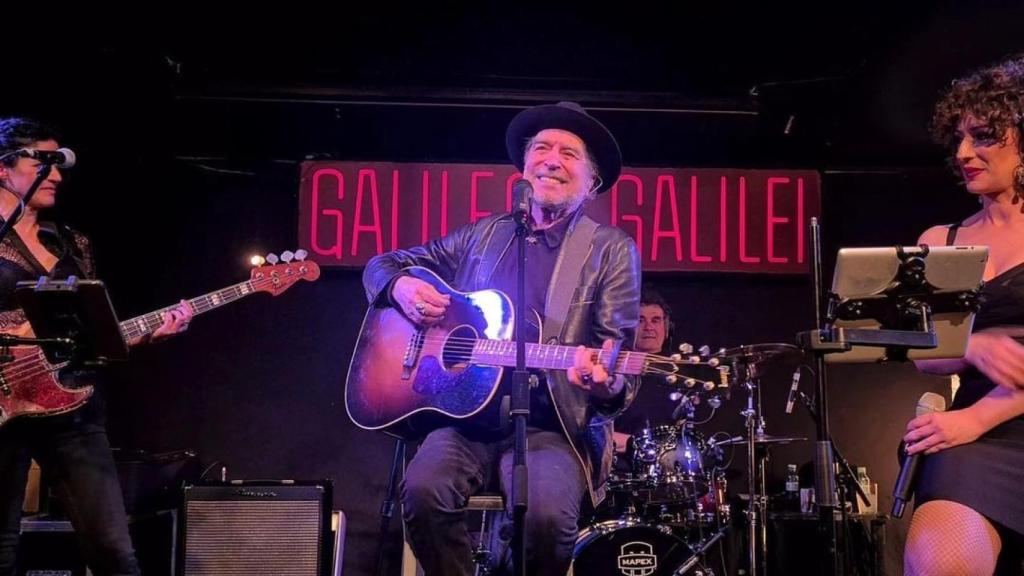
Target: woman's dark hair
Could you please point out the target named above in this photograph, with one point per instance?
(21, 133)
(994, 96)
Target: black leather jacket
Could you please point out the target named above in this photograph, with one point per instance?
(605, 304)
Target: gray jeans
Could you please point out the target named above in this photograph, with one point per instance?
(449, 468)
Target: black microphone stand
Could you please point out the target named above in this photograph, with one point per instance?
(387, 506)
(520, 411)
(846, 475)
(824, 456)
(846, 479)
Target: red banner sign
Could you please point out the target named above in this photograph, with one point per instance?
(682, 219)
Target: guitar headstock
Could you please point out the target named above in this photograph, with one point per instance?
(706, 372)
(695, 376)
(282, 272)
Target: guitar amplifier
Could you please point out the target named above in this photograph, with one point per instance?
(279, 528)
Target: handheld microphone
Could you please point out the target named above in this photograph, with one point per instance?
(793, 389)
(61, 158)
(904, 489)
(522, 195)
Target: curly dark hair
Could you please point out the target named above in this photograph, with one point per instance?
(21, 133)
(994, 96)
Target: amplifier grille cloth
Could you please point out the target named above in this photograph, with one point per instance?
(228, 538)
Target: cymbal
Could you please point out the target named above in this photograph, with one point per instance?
(757, 354)
(766, 439)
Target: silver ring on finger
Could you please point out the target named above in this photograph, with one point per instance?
(420, 307)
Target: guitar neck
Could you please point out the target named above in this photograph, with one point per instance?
(551, 356)
(147, 323)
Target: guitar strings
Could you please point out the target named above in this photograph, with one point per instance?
(36, 364)
(467, 349)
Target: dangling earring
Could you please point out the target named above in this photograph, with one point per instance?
(1018, 186)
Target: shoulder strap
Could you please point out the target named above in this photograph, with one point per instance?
(951, 233)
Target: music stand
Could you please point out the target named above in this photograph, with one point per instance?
(903, 303)
(74, 320)
(885, 304)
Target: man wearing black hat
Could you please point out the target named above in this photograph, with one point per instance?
(583, 288)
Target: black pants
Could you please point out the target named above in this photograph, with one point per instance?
(74, 452)
(449, 468)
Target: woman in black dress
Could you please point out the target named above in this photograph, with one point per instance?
(969, 517)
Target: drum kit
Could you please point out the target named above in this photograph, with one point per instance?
(667, 507)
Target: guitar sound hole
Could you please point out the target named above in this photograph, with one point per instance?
(458, 348)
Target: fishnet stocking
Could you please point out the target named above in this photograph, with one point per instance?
(950, 539)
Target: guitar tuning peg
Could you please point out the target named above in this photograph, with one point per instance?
(677, 357)
(704, 350)
(272, 258)
(709, 385)
(257, 260)
(301, 254)
(675, 396)
(689, 382)
(693, 359)
(671, 379)
(715, 402)
(686, 348)
(714, 362)
(287, 255)
(721, 351)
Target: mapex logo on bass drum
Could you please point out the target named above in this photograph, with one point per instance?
(637, 559)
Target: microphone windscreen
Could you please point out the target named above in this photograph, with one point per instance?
(930, 402)
(69, 158)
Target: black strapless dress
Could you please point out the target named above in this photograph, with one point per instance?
(987, 474)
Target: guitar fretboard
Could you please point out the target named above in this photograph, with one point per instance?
(147, 323)
(551, 356)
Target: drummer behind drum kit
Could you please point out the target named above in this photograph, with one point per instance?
(670, 508)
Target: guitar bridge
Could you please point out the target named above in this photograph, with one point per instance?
(412, 353)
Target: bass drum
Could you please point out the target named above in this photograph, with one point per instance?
(628, 547)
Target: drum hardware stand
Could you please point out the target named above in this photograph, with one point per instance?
(483, 558)
(757, 509)
(699, 552)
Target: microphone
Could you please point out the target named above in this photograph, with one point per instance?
(793, 389)
(522, 195)
(61, 158)
(904, 489)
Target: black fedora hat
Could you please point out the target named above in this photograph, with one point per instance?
(571, 117)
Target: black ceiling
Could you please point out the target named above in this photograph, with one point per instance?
(858, 80)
